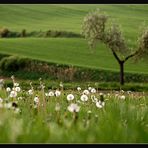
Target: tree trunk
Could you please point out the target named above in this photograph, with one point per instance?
(121, 72)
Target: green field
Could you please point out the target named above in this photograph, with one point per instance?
(68, 17)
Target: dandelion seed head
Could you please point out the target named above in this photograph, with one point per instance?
(73, 108)
(70, 97)
(84, 98)
(8, 89)
(79, 88)
(51, 94)
(13, 94)
(86, 92)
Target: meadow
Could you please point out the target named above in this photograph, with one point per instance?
(42, 105)
(41, 115)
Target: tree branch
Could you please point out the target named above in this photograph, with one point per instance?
(115, 55)
(131, 55)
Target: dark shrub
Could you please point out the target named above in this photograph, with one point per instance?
(4, 32)
(13, 63)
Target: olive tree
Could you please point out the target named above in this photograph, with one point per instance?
(96, 29)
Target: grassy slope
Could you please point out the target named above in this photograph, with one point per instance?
(70, 51)
(68, 17)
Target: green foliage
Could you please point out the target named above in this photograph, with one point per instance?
(12, 63)
(4, 32)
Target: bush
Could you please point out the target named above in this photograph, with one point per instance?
(4, 32)
(13, 63)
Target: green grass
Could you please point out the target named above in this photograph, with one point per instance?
(119, 121)
(69, 18)
(73, 51)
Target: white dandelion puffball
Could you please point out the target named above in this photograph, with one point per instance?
(86, 92)
(18, 89)
(89, 88)
(8, 89)
(93, 90)
(57, 93)
(100, 104)
(13, 94)
(70, 97)
(36, 99)
(84, 98)
(101, 94)
(78, 88)
(122, 97)
(30, 92)
(73, 108)
(51, 94)
(16, 84)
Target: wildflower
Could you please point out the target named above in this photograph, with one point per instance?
(30, 92)
(13, 94)
(73, 108)
(57, 107)
(70, 97)
(36, 99)
(16, 84)
(89, 88)
(86, 92)
(51, 94)
(93, 90)
(101, 94)
(8, 89)
(57, 93)
(122, 97)
(100, 104)
(84, 98)
(78, 88)
(18, 89)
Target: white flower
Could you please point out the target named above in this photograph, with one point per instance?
(89, 88)
(84, 98)
(18, 89)
(30, 92)
(13, 94)
(36, 99)
(100, 104)
(73, 108)
(93, 90)
(57, 107)
(57, 93)
(1, 100)
(86, 92)
(16, 84)
(78, 88)
(101, 94)
(122, 97)
(8, 89)
(70, 97)
(51, 94)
